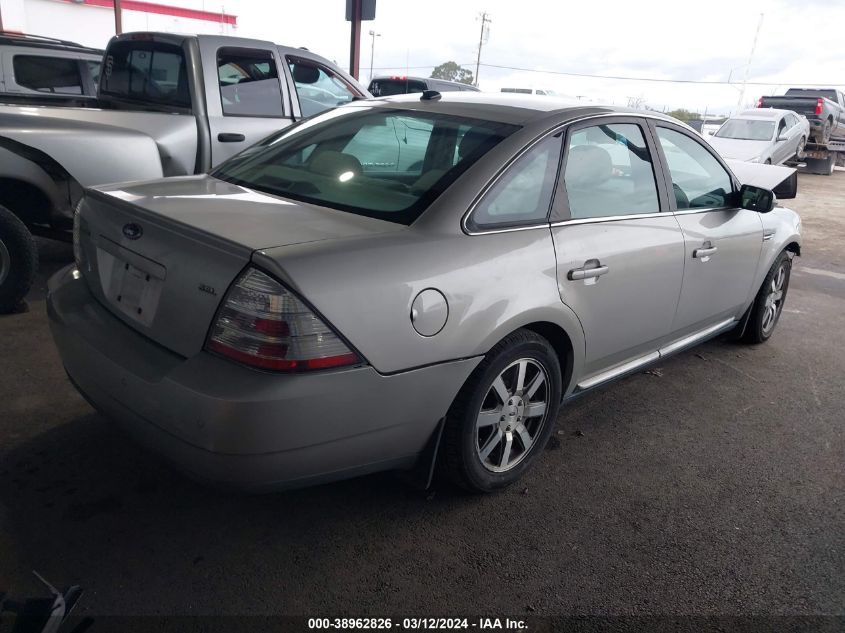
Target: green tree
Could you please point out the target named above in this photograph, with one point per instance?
(450, 71)
(684, 115)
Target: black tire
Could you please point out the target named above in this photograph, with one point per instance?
(460, 457)
(18, 261)
(801, 152)
(759, 329)
(823, 136)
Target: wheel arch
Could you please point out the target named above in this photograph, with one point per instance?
(26, 200)
(562, 344)
(794, 247)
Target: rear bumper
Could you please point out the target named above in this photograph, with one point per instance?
(240, 427)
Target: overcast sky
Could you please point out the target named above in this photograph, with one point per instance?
(800, 42)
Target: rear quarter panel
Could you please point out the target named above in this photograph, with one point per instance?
(494, 284)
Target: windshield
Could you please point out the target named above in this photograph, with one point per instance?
(747, 130)
(383, 163)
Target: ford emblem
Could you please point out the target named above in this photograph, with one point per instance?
(133, 231)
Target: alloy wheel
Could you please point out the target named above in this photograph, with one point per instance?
(774, 300)
(512, 415)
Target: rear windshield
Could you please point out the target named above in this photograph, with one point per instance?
(382, 163)
(151, 72)
(800, 92)
(747, 130)
(388, 87)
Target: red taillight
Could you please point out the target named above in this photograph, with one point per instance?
(760, 102)
(819, 106)
(264, 325)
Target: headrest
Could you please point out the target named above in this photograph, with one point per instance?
(303, 74)
(587, 166)
(474, 139)
(333, 164)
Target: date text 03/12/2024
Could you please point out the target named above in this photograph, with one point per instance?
(411, 624)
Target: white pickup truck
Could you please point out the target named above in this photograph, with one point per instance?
(166, 105)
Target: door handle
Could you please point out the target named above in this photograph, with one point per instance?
(592, 269)
(230, 137)
(704, 253)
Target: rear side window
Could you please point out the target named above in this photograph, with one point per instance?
(389, 87)
(523, 194)
(699, 181)
(94, 69)
(55, 75)
(609, 172)
(151, 72)
(249, 83)
(318, 88)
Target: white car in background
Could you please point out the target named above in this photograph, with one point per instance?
(762, 135)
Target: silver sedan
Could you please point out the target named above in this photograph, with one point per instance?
(763, 135)
(410, 283)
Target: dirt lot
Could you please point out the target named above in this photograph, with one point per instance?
(713, 485)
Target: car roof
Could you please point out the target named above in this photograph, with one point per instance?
(765, 114)
(514, 108)
(39, 41)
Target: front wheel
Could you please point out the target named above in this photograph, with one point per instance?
(503, 415)
(801, 152)
(769, 302)
(18, 261)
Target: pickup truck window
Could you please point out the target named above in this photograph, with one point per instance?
(317, 87)
(808, 92)
(322, 161)
(56, 75)
(150, 72)
(249, 83)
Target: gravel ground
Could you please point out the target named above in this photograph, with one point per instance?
(711, 485)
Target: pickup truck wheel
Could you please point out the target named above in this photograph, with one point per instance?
(768, 304)
(18, 261)
(823, 136)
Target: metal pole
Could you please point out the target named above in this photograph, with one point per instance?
(748, 65)
(355, 44)
(118, 18)
(484, 21)
(374, 35)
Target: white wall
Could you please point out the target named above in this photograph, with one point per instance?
(93, 26)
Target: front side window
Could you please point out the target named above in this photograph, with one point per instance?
(698, 179)
(55, 75)
(151, 72)
(523, 194)
(318, 88)
(383, 163)
(249, 83)
(609, 172)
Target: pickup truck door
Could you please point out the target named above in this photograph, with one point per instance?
(722, 241)
(246, 94)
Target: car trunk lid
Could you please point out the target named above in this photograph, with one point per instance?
(161, 255)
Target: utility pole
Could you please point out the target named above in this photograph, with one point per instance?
(485, 20)
(355, 39)
(118, 18)
(373, 35)
(748, 65)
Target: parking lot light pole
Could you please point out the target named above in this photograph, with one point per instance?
(373, 35)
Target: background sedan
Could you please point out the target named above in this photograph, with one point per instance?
(762, 135)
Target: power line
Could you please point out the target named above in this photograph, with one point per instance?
(622, 78)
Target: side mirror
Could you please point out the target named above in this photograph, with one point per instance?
(756, 198)
(783, 137)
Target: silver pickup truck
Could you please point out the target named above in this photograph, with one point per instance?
(166, 105)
